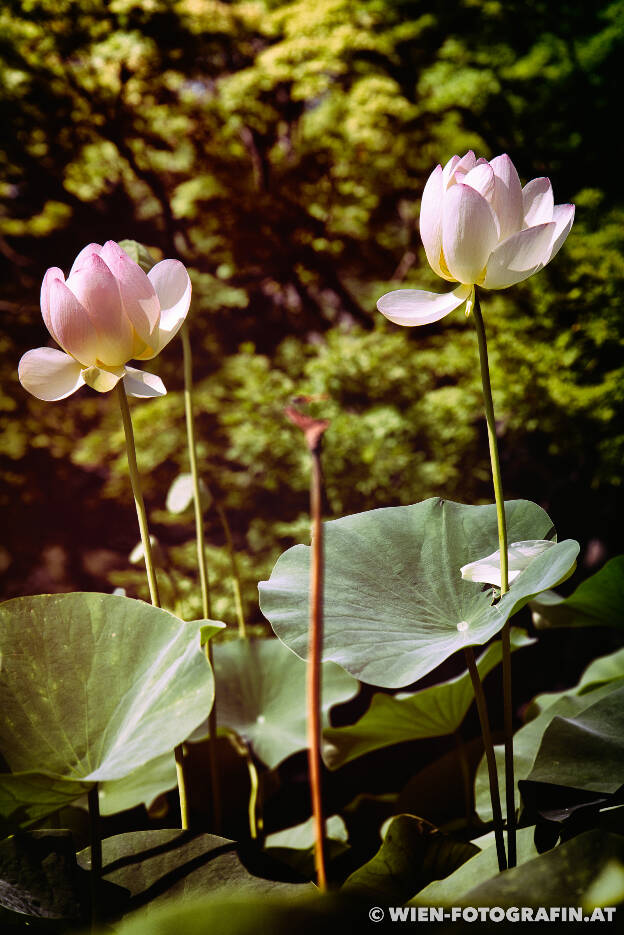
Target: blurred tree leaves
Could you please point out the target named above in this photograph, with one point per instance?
(279, 149)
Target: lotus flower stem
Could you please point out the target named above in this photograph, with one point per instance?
(314, 664)
(192, 454)
(138, 496)
(95, 840)
(204, 579)
(488, 405)
(149, 565)
(497, 814)
(236, 581)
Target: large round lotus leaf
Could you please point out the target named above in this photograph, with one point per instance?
(261, 694)
(395, 604)
(94, 685)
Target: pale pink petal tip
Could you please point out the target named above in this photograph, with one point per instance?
(51, 274)
(173, 288)
(563, 217)
(139, 300)
(538, 202)
(90, 250)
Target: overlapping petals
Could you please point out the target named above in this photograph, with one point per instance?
(107, 312)
(480, 227)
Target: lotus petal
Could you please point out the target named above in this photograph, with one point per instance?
(173, 288)
(518, 257)
(97, 290)
(416, 307)
(49, 374)
(102, 379)
(469, 233)
(53, 273)
(138, 297)
(455, 171)
(519, 556)
(481, 178)
(538, 202)
(563, 217)
(507, 198)
(431, 221)
(90, 250)
(70, 323)
(143, 385)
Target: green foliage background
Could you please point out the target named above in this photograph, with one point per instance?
(279, 149)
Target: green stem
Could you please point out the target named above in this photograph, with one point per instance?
(497, 814)
(488, 405)
(202, 564)
(95, 840)
(192, 454)
(213, 765)
(137, 494)
(314, 667)
(149, 560)
(236, 581)
(182, 786)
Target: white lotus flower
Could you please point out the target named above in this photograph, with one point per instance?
(480, 227)
(107, 312)
(519, 556)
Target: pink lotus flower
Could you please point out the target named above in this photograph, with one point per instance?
(480, 227)
(107, 312)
